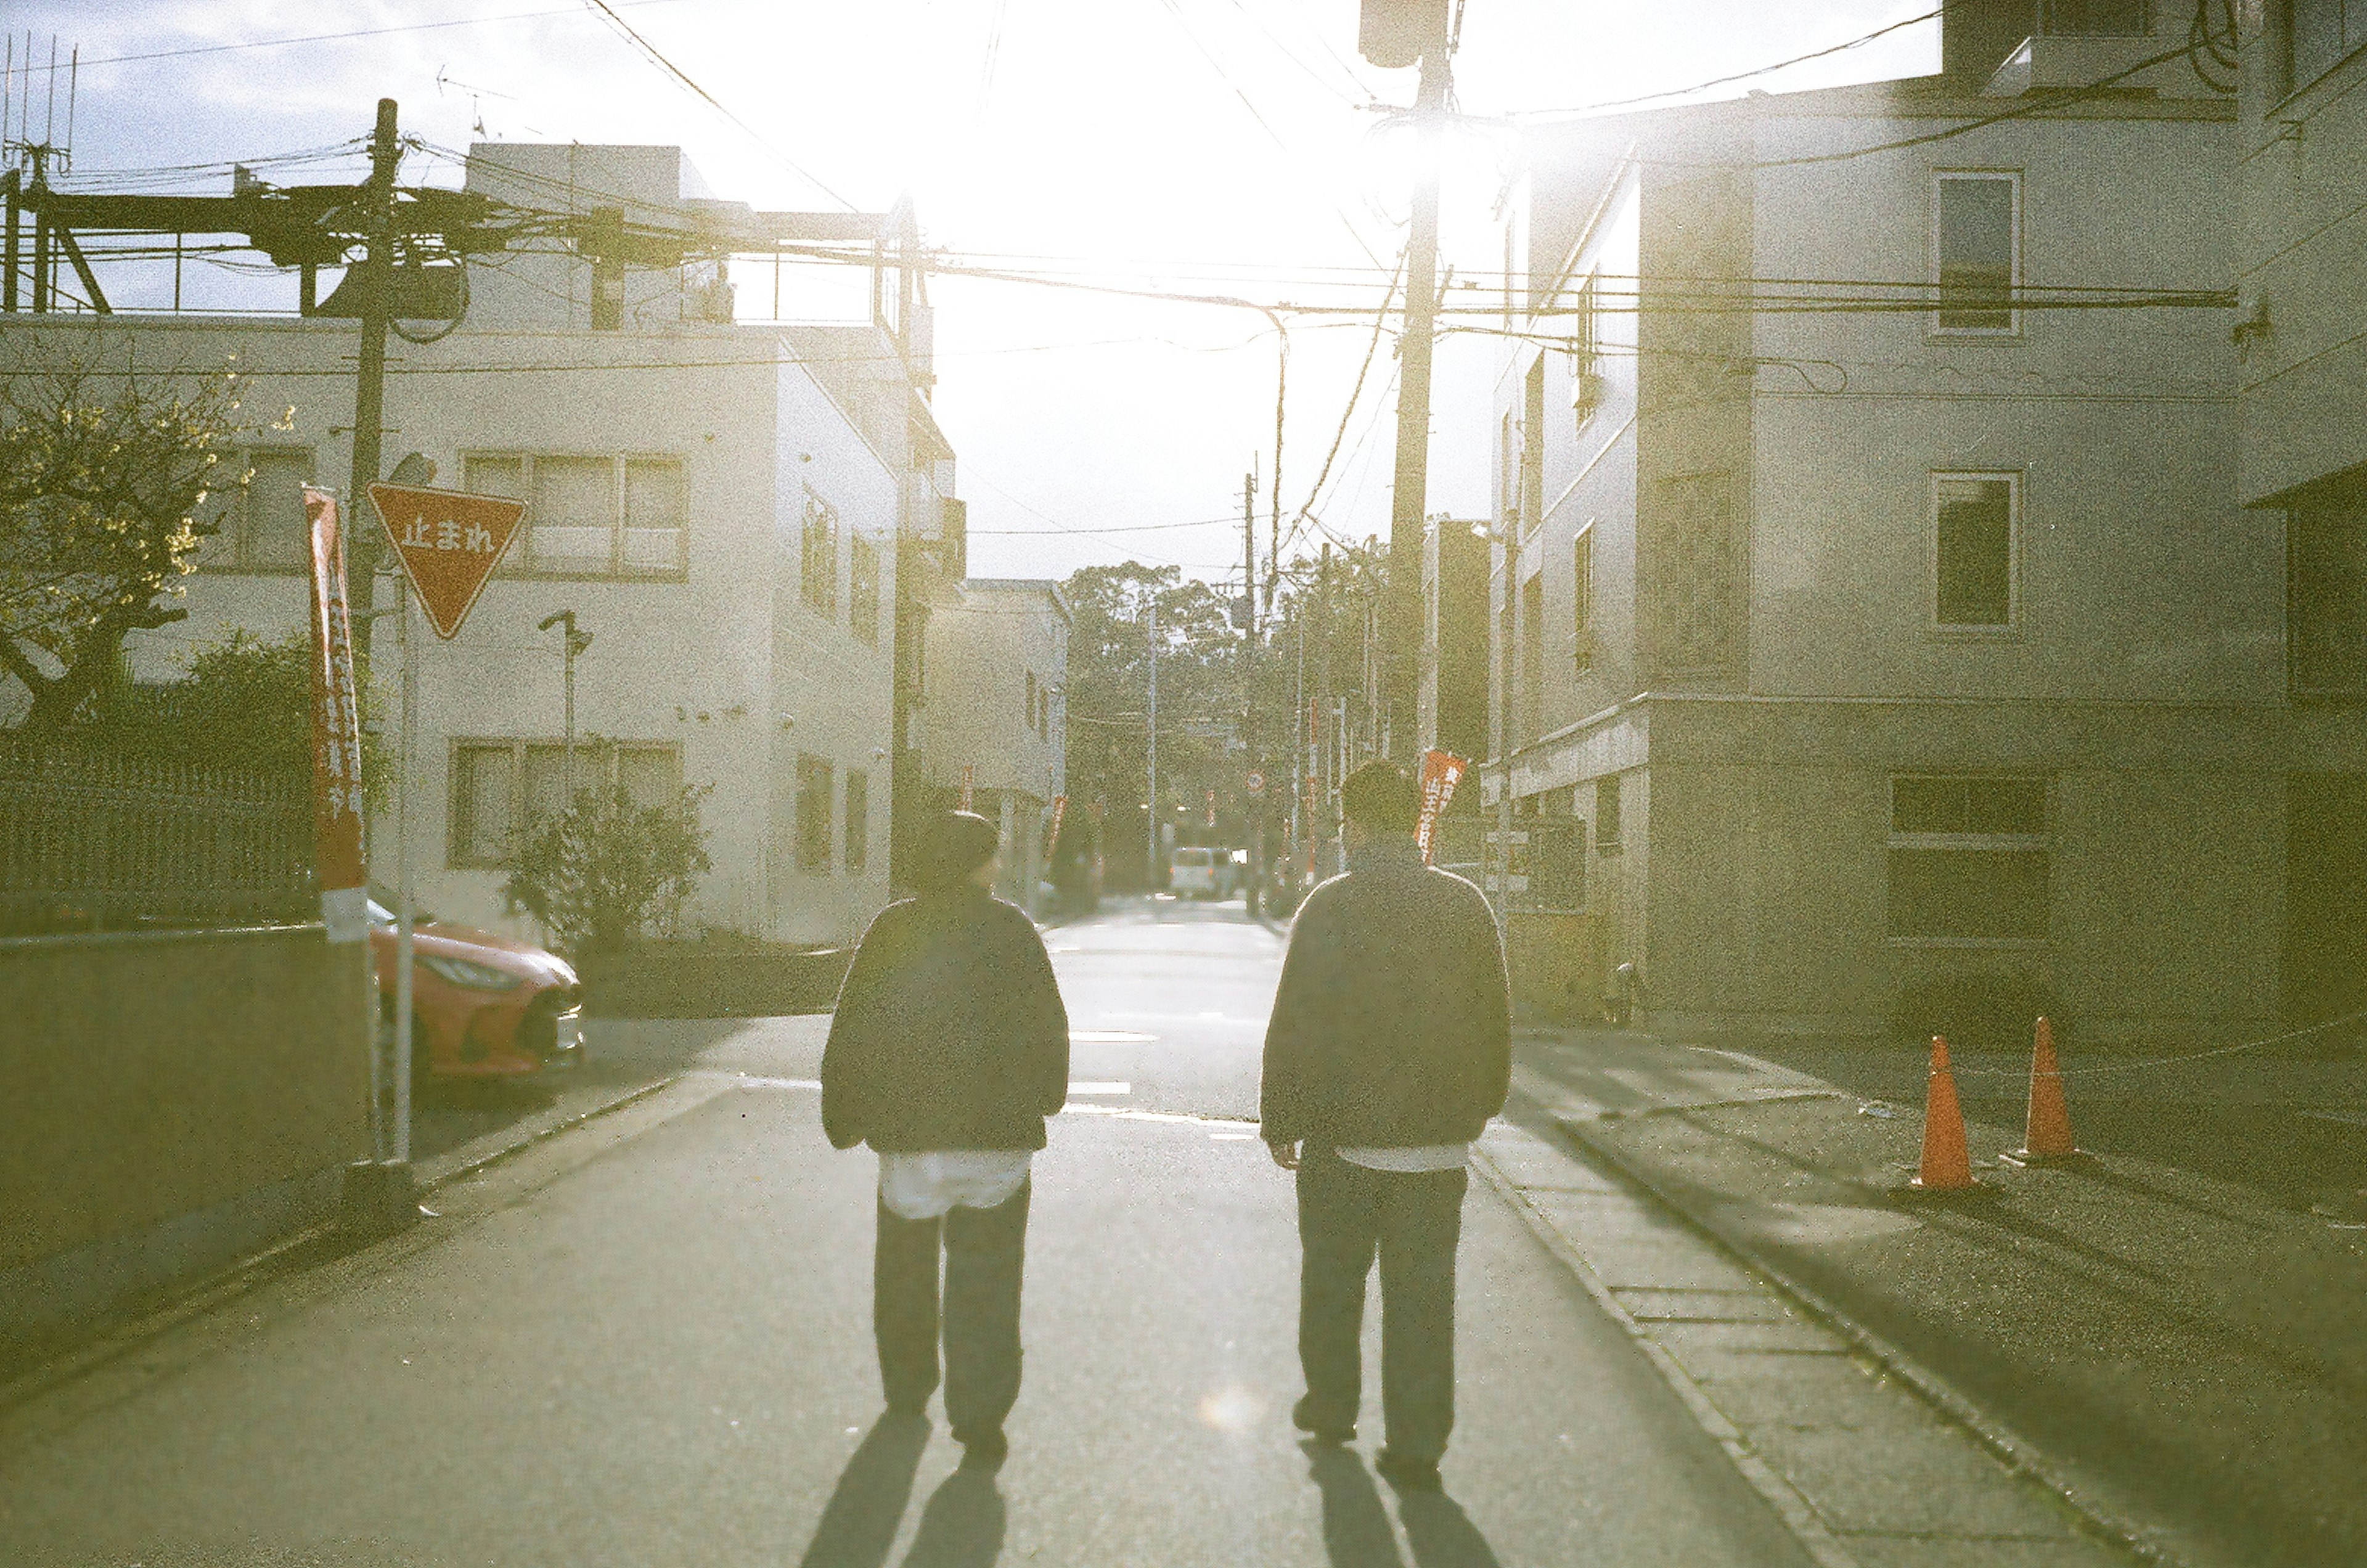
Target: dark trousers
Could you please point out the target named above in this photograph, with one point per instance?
(984, 1251)
(1413, 1220)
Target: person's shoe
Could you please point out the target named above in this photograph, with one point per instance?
(1409, 1474)
(983, 1450)
(1332, 1436)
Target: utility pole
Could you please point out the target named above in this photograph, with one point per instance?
(1250, 731)
(1151, 811)
(377, 269)
(1402, 639)
(1324, 770)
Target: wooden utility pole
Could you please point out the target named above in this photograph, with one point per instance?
(1402, 623)
(369, 384)
(1255, 811)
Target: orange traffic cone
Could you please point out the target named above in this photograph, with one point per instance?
(2047, 1134)
(1947, 1164)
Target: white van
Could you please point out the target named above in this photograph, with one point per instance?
(1194, 871)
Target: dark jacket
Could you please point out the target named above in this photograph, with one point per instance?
(1393, 1024)
(949, 1032)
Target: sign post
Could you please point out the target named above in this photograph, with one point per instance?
(448, 543)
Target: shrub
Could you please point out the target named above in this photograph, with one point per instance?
(608, 870)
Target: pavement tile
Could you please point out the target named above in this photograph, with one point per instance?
(1671, 1266)
(1798, 1391)
(1790, 1338)
(1941, 1551)
(1655, 1303)
(1909, 1478)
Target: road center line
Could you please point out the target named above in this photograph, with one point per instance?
(1099, 1085)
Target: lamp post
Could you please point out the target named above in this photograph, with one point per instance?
(576, 642)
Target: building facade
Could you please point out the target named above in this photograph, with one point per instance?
(994, 705)
(1893, 646)
(725, 506)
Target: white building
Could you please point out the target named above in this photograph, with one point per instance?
(1881, 658)
(994, 699)
(722, 504)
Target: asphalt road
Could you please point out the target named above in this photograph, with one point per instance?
(646, 1341)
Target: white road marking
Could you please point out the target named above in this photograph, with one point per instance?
(750, 1080)
(1101, 1085)
(1230, 1137)
(1108, 1037)
(1125, 1114)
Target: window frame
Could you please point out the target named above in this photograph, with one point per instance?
(2043, 843)
(2292, 84)
(1976, 631)
(517, 560)
(235, 517)
(861, 588)
(612, 754)
(825, 862)
(1582, 615)
(819, 589)
(1934, 327)
(1610, 813)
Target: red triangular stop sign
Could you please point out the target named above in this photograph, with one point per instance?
(448, 541)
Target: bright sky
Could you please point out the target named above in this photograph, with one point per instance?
(1209, 146)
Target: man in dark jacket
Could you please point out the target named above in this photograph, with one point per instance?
(1388, 1049)
(949, 1048)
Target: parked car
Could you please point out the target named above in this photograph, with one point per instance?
(484, 1007)
(1197, 872)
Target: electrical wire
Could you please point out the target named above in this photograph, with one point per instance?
(355, 33)
(1532, 116)
(1314, 491)
(650, 51)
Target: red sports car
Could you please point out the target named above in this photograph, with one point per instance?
(484, 1007)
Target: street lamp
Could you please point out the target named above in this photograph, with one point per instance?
(576, 642)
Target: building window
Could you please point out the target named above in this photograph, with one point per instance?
(1533, 447)
(503, 790)
(2326, 599)
(1968, 858)
(2096, 18)
(1978, 239)
(813, 814)
(1585, 373)
(1533, 657)
(262, 516)
(2318, 34)
(863, 589)
(1973, 550)
(588, 516)
(1581, 581)
(1031, 699)
(1508, 471)
(858, 821)
(1606, 814)
(817, 567)
(1698, 556)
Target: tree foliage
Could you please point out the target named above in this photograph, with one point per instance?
(1108, 697)
(608, 870)
(103, 481)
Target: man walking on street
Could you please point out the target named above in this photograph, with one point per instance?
(1388, 1049)
(948, 1048)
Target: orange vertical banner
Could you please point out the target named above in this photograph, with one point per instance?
(338, 870)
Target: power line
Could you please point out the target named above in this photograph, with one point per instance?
(1857, 43)
(1314, 491)
(355, 33)
(651, 52)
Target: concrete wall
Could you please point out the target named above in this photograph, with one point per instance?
(172, 1100)
(2300, 269)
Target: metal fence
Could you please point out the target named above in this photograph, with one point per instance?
(94, 842)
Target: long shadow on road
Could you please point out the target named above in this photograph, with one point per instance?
(859, 1524)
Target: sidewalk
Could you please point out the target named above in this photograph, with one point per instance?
(2176, 1346)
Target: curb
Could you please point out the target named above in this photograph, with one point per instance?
(2015, 1451)
(231, 1280)
(1797, 1514)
